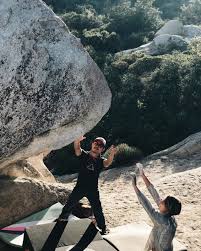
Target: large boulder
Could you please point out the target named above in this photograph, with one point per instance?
(145, 48)
(21, 197)
(51, 91)
(172, 36)
(186, 148)
(172, 27)
(166, 39)
(166, 43)
(161, 44)
(192, 31)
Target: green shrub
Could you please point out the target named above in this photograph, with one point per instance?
(170, 9)
(85, 19)
(156, 100)
(125, 155)
(101, 40)
(63, 5)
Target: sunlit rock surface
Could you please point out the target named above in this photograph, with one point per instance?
(51, 91)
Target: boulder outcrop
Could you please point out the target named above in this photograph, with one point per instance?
(172, 36)
(51, 91)
(186, 148)
(21, 197)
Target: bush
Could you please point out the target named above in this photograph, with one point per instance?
(125, 155)
(191, 12)
(63, 5)
(156, 100)
(135, 24)
(103, 5)
(142, 17)
(101, 40)
(84, 19)
(170, 9)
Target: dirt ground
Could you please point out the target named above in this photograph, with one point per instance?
(177, 177)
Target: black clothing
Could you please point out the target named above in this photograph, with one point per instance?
(77, 194)
(87, 186)
(90, 169)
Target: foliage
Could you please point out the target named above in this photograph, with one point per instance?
(125, 155)
(191, 12)
(86, 18)
(61, 6)
(170, 9)
(101, 40)
(120, 28)
(136, 24)
(156, 99)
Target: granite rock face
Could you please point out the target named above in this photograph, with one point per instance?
(184, 149)
(162, 44)
(172, 27)
(192, 31)
(22, 197)
(51, 91)
(172, 36)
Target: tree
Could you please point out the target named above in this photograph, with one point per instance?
(191, 12)
(170, 9)
(83, 18)
(135, 25)
(60, 6)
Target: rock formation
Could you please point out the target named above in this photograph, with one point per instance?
(21, 197)
(186, 148)
(51, 91)
(173, 35)
(172, 27)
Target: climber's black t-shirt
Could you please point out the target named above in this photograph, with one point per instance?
(90, 169)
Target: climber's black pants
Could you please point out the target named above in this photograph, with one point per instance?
(93, 196)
